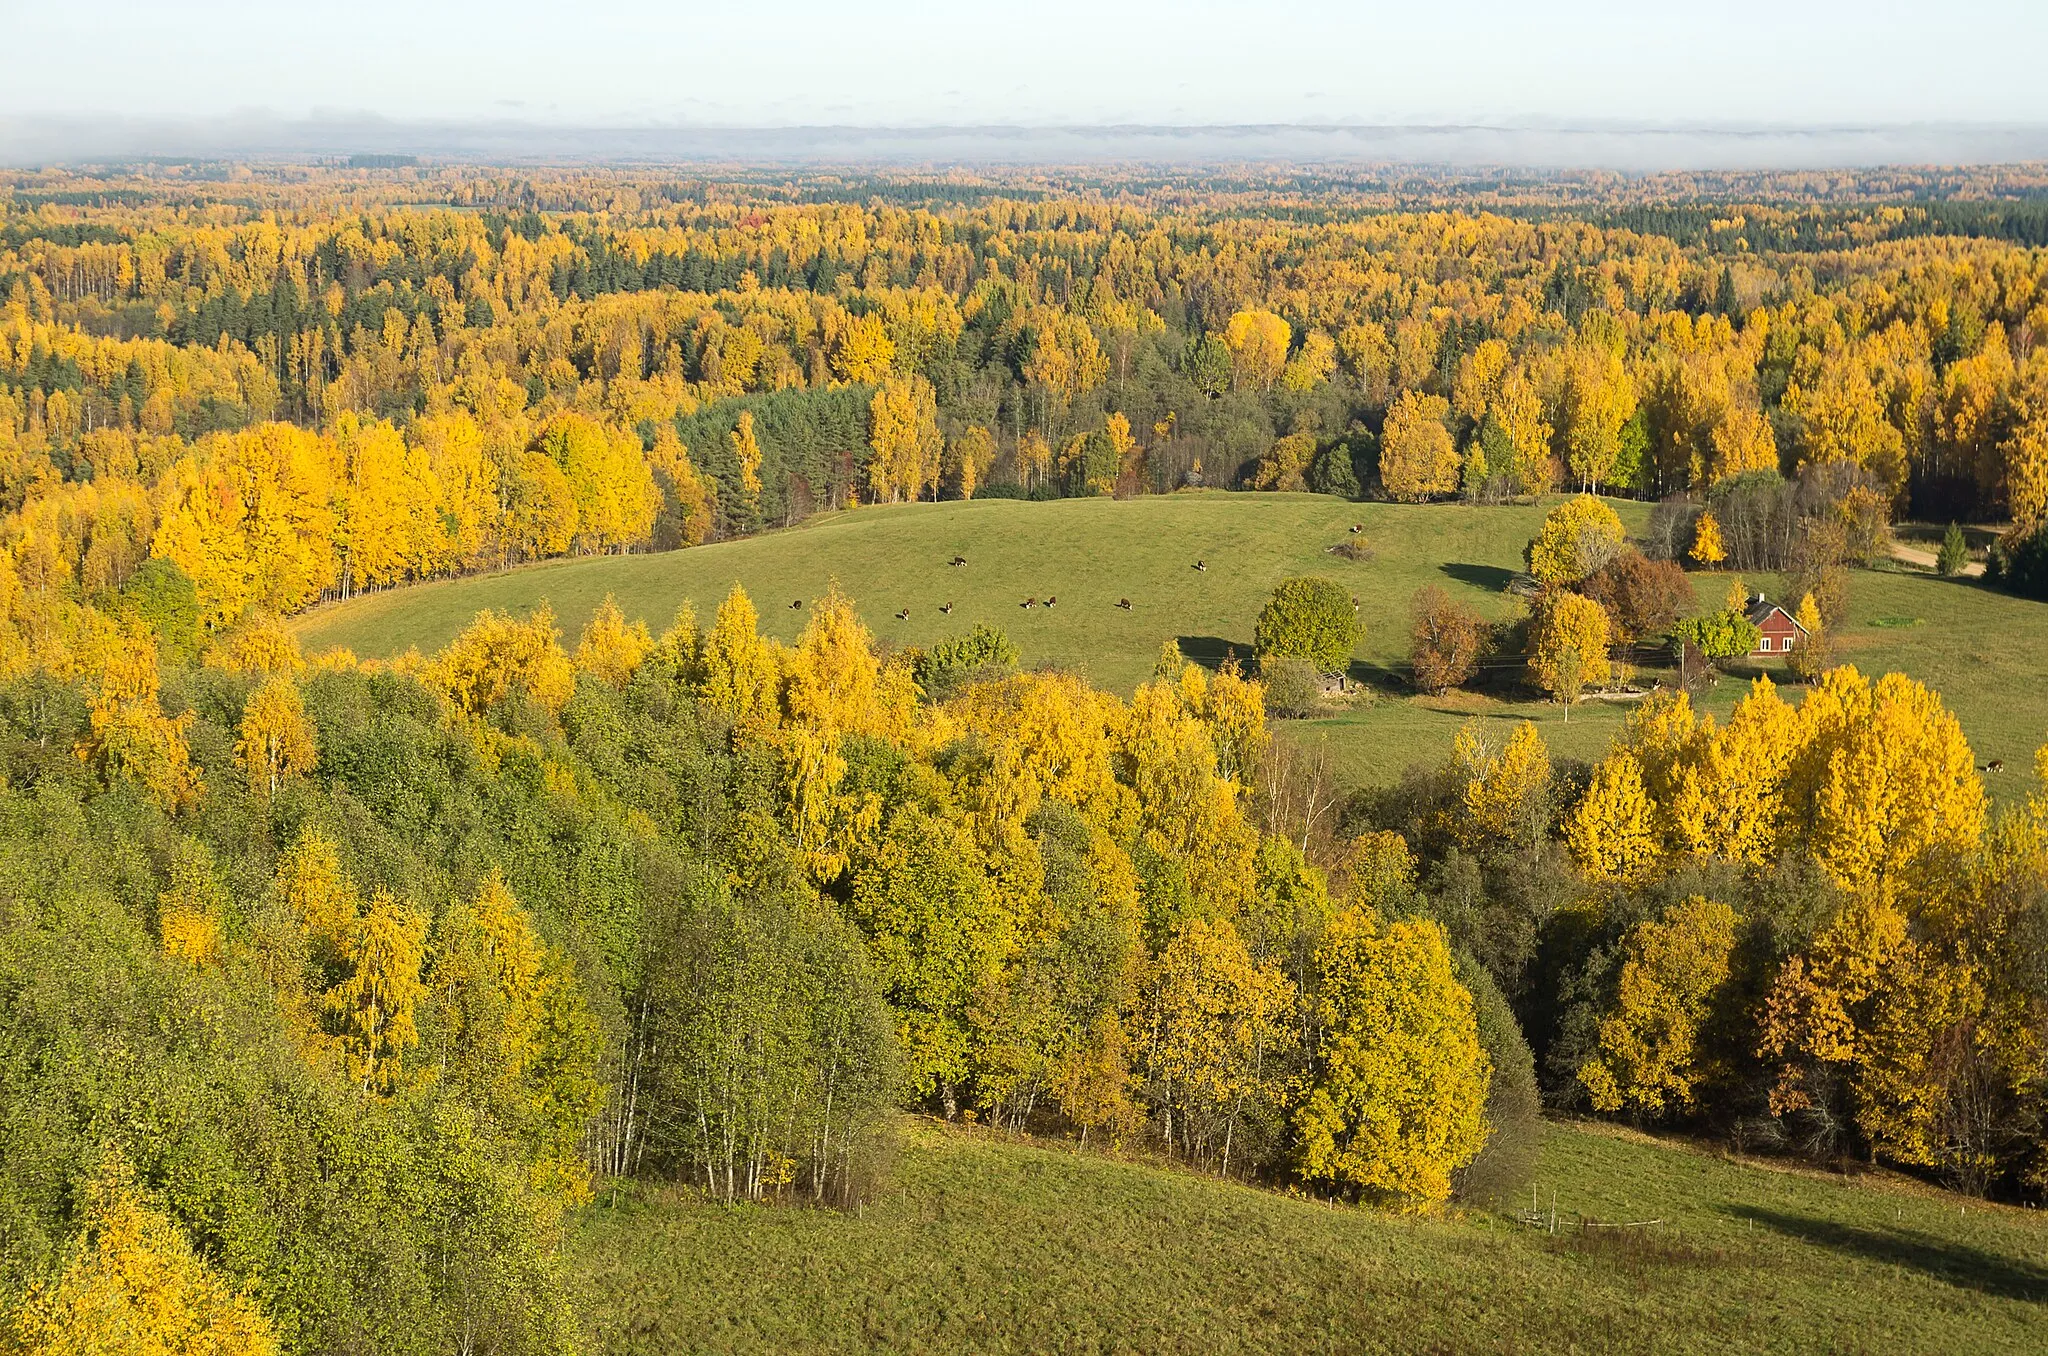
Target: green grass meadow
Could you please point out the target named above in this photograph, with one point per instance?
(990, 1246)
(1986, 652)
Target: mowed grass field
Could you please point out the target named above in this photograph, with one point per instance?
(1986, 652)
(985, 1246)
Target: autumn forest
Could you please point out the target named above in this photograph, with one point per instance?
(334, 987)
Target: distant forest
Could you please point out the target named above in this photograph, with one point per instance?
(521, 364)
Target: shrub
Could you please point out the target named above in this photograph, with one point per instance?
(951, 664)
(1447, 640)
(1293, 686)
(1644, 597)
(1719, 636)
(2020, 563)
(1578, 537)
(1312, 618)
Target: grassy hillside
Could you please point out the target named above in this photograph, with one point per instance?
(985, 1246)
(1979, 647)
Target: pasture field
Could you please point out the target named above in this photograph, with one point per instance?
(1986, 652)
(978, 1244)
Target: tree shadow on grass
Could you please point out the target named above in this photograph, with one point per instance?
(1957, 1264)
(1211, 652)
(1491, 577)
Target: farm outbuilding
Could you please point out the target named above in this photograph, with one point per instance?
(1779, 631)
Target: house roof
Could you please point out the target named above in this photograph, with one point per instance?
(1760, 609)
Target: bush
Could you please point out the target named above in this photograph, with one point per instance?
(1310, 618)
(1447, 640)
(1719, 636)
(2020, 563)
(1293, 686)
(951, 664)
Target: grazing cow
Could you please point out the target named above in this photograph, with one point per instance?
(1201, 564)
(1124, 603)
(796, 604)
(1050, 601)
(957, 561)
(1029, 602)
(904, 615)
(946, 608)
(1995, 765)
(1358, 527)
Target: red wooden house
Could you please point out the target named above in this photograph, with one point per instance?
(1781, 631)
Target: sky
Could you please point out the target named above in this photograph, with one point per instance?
(895, 63)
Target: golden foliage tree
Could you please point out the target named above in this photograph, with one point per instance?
(696, 504)
(1888, 783)
(498, 655)
(609, 481)
(903, 431)
(1418, 460)
(132, 1284)
(610, 650)
(1572, 631)
(1398, 1103)
(746, 454)
(864, 353)
(1258, 343)
(1707, 546)
(742, 673)
(1649, 1058)
(260, 646)
(374, 1006)
(1576, 539)
(1612, 831)
(276, 741)
(968, 458)
(1216, 1032)
(130, 734)
(1507, 794)
(1598, 401)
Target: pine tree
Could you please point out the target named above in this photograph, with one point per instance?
(1955, 552)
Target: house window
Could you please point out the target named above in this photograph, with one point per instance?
(1769, 643)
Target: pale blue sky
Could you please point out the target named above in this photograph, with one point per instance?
(894, 62)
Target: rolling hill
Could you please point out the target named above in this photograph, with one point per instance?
(978, 1244)
(1974, 645)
